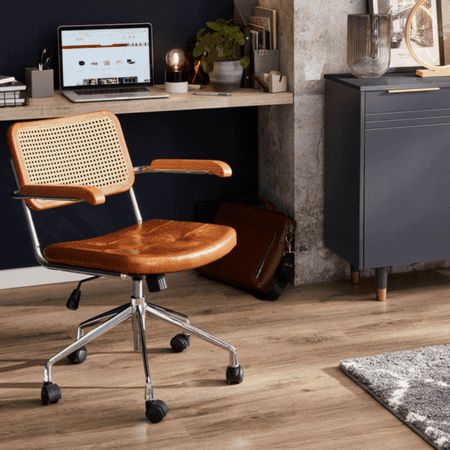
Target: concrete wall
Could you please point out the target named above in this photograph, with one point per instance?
(313, 42)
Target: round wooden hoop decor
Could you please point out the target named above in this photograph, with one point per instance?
(408, 39)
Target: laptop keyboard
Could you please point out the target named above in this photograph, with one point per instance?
(111, 91)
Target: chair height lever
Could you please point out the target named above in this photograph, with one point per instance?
(75, 296)
(156, 282)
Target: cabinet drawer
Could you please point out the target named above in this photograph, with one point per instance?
(382, 102)
(380, 121)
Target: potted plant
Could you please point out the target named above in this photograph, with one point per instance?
(216, 51)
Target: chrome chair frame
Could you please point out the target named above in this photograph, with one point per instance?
(136, 309)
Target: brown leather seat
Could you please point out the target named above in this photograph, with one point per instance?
(155, 246)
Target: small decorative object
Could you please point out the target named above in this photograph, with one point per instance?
(433, 70)
(425, 32)
(275, 81)
(216, 51)
(368, 44)
(176, 79)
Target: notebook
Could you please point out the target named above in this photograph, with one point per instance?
(107, 62)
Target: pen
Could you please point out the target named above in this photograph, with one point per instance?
(41, 59)
(47, 62)
(212, 93)
(262, 84)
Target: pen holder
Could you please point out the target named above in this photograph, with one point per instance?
(39, 82)
(265, 61)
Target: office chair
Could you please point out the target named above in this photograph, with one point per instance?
(62, 161)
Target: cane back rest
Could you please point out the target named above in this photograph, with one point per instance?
(83, 150)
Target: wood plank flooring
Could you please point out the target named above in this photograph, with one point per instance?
(293, 395)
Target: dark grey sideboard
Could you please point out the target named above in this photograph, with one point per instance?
(387, 171)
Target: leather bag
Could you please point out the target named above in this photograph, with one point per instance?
(262, 261)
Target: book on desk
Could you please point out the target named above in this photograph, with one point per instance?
(4, 79)
(12, 93)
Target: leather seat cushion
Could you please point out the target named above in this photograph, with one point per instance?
(155, 246)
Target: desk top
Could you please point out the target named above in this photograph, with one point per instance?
(390, 81)
(59, 106)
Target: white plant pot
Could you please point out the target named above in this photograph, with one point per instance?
(226, 76)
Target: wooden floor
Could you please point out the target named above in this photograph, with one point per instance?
(293, 394)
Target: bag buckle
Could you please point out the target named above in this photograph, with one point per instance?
(288, 261)
(289, 250)
(289, 254)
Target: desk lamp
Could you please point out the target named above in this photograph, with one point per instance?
(176, 80)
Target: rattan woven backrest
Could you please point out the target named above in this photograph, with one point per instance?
(82, 150)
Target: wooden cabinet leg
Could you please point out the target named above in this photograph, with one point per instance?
(354, 275)
(381, 275)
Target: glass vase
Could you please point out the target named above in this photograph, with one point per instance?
(369, 44)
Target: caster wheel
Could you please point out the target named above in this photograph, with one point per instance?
(235, 375)
(180, 342)
(50, 393)
(155, 410)
(79, 356)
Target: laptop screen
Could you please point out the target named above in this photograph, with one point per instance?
(94, 55)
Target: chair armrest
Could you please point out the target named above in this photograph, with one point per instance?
(89, 194)
(211, 167)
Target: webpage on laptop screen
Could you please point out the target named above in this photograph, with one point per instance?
(105, 56)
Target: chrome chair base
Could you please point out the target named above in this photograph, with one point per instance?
(137, 310)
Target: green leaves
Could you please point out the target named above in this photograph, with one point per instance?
(214, 26)
(220, 44)
(208, 66)
(203, 43)
(245, 61)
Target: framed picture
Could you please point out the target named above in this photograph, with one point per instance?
(426, 32)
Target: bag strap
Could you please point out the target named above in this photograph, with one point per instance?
(281, 278)
(260, 200)
(285, 270)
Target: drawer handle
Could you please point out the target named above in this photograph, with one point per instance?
(401, 91)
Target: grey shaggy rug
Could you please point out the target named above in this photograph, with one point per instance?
(412, 385)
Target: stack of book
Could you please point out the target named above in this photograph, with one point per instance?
(263, 25)
(12, 92)
(259, 25)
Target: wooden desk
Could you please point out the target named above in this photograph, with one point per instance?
(59, 106)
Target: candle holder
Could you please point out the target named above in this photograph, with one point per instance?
(176, 78)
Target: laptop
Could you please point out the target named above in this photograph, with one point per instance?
(107, 62)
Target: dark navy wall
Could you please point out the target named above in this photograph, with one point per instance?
(229, 135)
